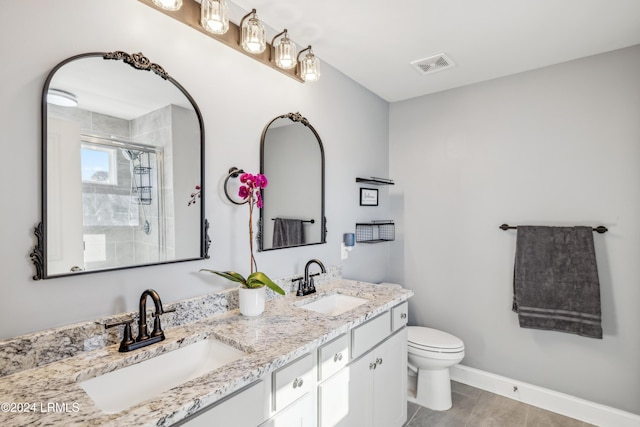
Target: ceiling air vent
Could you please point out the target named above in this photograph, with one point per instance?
(432, 64)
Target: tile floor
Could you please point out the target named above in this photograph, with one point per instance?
(473, 407)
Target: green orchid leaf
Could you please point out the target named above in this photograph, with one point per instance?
(261, 279)
(229, 275)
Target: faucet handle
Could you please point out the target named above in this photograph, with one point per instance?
(126, 336)
(125, 322)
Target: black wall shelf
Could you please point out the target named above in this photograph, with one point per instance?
(375, 181)
(375, 232)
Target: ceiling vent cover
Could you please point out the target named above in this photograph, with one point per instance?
(432, 64)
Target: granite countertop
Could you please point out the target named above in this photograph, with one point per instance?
(51, 395)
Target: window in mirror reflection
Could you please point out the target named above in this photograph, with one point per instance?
(98, 165)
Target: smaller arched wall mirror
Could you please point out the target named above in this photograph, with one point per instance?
(122, 168)
(292, 158)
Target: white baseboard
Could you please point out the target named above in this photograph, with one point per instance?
(564, 404)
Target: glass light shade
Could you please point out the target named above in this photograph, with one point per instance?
(310, 67)
(254, 37)
(285, 53)
(61, 98)
(168, 4)
(214, 16)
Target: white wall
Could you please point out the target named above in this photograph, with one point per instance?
(555, 146)
(237, 96)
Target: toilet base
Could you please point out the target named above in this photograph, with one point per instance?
(433, 389)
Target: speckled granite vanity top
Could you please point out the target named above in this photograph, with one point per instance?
(50, 394)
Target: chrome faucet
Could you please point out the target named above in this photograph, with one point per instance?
(144, 339)
(307, 286)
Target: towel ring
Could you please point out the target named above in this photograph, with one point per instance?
(234, 172)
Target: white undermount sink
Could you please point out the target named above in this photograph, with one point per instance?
(334, 304)
(119, 390)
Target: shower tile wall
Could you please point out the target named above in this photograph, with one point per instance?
(113, 221)
(155, 129)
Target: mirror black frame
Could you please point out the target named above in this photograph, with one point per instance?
(294, 117)
(142, 63)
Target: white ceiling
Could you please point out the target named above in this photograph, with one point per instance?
(373, 41)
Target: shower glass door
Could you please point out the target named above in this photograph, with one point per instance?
(121, 204)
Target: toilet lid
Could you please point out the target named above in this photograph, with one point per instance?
(421, 337)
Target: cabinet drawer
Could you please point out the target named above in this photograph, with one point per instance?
(332, 357)
(367, 335)
(292, 381)
(399, 316)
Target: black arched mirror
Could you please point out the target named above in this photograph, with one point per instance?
(292, 158)
(122, 168)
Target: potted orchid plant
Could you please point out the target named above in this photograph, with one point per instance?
(251, 290)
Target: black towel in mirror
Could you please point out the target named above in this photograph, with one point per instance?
(288, 232)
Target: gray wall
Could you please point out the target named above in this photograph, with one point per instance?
(555, 146)
(350, 120)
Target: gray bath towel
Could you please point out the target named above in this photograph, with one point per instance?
(288, 232)
(555, 283)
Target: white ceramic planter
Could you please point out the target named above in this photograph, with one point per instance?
(251, 301)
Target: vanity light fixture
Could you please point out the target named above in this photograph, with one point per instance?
(309, 66)
(254, 37)
(171, 5)
(214, 16)
(61, 98)
(284, 52)
(211, 17)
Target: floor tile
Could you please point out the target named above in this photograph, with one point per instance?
(473, 407)
(457, 416)
(412, 408)
(466, 390)
(492, 410)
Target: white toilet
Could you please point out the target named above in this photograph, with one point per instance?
(431, 353)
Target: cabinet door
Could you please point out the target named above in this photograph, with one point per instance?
(390, 382)
(360, 393)
(333, 400)
(299, 414)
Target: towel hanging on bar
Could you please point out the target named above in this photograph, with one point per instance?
(555, 280)
(288, 232)
(599, 229)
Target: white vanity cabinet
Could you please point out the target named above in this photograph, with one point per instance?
(300, 414)
(293, 394)
(333, 377)
(358, 379)
(371, 391)
(378, 385)
(244, 408)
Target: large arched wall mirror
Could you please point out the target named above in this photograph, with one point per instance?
(292, 158)
(122, 168)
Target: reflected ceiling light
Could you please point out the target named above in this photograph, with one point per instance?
(214, 16)
(61, 98)
(309, 66)
(284, 51)
(254, 37)
(168, 4)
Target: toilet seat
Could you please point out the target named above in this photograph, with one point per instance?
(432, 340)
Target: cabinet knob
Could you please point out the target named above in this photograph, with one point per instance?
(403, 315)
(297, 382)
(372, 366)
(379, 361)
(337, 357)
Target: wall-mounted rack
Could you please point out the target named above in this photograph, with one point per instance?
(375, 231)
(375, 181)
